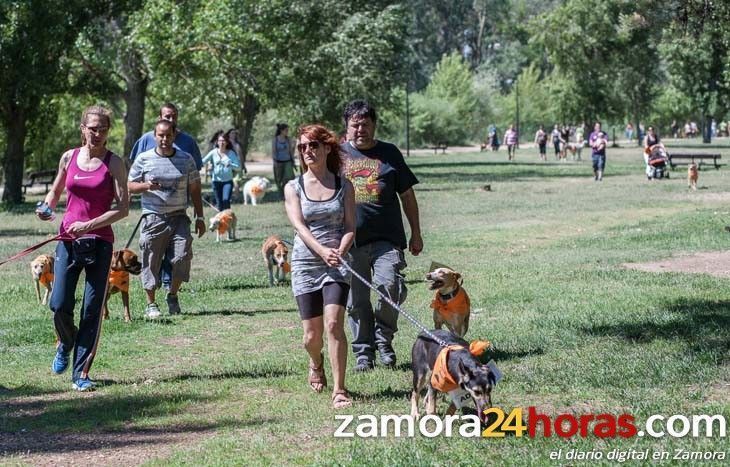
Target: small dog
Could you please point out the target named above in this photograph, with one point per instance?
(124, 263)
(692, 175)
(451, 304)
(41, 269)
(457, 368)
(254, 190)
(224, 222)
(275, 254)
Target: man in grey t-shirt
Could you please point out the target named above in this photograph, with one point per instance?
(167, 179)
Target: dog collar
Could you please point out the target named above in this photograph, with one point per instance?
(450, 295)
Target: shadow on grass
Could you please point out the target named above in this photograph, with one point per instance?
(701, 326)
(501, 355)
(389, 393)
(262, 372)
(31, 442)
(228, 312)
(92, 412)
(25, 391)
(232, 287)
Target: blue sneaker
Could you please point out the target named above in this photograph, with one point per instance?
(60, 361)
(84, 385)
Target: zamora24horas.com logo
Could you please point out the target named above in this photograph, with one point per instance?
(530, 422)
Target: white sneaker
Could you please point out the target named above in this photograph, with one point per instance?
(152, 311)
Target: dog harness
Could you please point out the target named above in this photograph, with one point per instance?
(455, 303)
(224, 222)
(120, 280)
(46, 278)
(441, 379)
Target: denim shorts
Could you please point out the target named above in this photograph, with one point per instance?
(599, 161)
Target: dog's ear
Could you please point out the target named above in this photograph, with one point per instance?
(464, 373)
(117, 257)
(459, 279)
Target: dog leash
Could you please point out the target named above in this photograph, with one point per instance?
(208, 203)
(397, 307)
(33, 248)
(134, 232)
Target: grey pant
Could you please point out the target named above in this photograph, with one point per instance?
(165, 236)
(380, 263)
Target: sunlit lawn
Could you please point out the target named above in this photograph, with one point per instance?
(541, 253)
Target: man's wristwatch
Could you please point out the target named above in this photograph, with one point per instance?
(200, 218)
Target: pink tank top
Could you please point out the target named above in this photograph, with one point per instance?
(89, 194)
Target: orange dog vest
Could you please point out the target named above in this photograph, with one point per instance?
(46, 278)
(120, 280)
(458, 305)
(441, 379)
(224, 221)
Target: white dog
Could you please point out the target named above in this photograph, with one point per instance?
(255, 189)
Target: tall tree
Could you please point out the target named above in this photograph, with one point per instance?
(34, 37)
(697, 48)
(233, 57)
(111, 63)
(604, 57)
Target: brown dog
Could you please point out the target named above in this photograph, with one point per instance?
(275, 255)
(451, 305)
(41, 269)
(124, 263)
(692, 176)
(222, 223)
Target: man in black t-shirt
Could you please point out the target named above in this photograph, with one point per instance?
(382, 182)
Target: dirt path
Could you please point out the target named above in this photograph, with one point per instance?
(100, 448)
(714, 263)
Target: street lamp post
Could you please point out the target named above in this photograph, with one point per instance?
(408, 125)
(517, 112)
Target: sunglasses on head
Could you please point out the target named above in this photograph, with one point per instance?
(313, 145)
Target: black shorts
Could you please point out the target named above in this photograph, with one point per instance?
(311, 305)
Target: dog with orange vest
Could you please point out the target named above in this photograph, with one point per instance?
(41, 269)
(224, 223)
(255, 189)
(451, 305)
(453, 369)
(124, 263)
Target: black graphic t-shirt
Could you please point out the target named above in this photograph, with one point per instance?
(379, 175)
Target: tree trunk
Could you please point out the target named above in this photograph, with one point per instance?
(15, 131)
(243, 121)
(134, 98)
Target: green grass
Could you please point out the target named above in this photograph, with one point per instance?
(541, 254)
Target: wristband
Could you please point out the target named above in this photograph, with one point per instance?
(200, 218)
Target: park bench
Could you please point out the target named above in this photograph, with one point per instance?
(39, 177)
(441, 146)
(681, 158)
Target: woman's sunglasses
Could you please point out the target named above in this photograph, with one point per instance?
(313, 145)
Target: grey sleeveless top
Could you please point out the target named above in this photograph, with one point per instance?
(326, 221)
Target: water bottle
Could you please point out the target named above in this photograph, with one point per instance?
(44, 211)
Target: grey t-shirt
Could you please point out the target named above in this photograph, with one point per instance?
(174, 174)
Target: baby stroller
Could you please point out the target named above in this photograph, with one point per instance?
(656, 162)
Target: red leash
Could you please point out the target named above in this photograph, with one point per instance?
(33, 248)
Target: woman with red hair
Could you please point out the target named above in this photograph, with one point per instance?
(320, 204)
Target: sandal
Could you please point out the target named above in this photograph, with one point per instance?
(341, 399)
(317, 379)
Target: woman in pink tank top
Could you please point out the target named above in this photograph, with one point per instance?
(95, 180)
